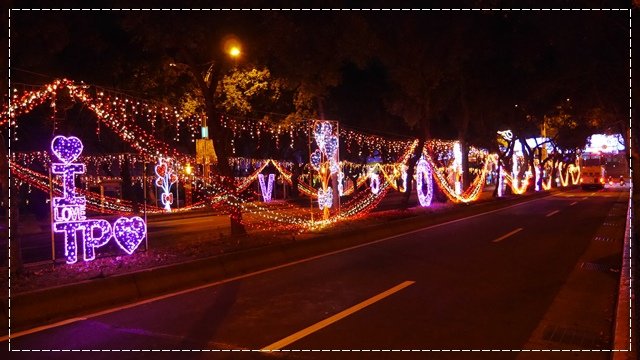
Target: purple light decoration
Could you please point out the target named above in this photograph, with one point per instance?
(322, 131)
(129, 233)
(90, 242)
(375, 183)
(67, 149)
(268, 190)
(423, 172)
(69, 211)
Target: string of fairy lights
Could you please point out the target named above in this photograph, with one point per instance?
(135, 122)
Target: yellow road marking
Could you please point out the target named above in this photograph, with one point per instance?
(328, 321)
(507, 235)
(41, 328)
(552, 213)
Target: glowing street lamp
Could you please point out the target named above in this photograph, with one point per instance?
(234, 52)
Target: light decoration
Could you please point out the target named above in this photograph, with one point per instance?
(324, 160)
(268, 189)
(325, 198)
(457, 166)
(69, 211)
(522, 187)
(404, 176)
(603, 144)
(165, 179)
(538, 179)
(571, 170)
(374, 182)
(514, 170)
(500, 182)
(423, 172)
(117, 112)
(471, 193)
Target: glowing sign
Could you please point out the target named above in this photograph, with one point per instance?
(605, 144)
(69, 211)
(266, 190)
(423, 172)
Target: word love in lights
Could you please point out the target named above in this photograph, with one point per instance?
(69, 211)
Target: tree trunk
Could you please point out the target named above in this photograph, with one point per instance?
(463, 130)
(16, 253)
(222, 143)
(464, 163)
(413, 160)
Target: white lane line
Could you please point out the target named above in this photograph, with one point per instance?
(330, 320)
(573, 203)
(507, 235)
(552, 213)
(243, 276)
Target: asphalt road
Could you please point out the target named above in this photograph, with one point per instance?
(482, 282)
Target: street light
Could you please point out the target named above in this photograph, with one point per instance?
(234, 52)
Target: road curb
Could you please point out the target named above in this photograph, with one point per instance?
(44, 306)
(623, 336)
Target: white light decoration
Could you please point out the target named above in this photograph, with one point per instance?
(165, 179)
(268, 189)
(375, 182)
(325, 160)
(500, 183)
(423, 173)
(404, 176)
(69, 211)
(340, 183)
(457, 166)
(604, 144)
(506, 134)
(514, 170)
(325, 198)
(538, 179)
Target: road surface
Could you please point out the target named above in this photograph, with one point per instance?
(496, 280)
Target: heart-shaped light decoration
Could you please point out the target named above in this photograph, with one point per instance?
(67, 149)
(173, 178)
(161, 169)
(316, 159)
(330, 146)
(129, 233)
(322, 131)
